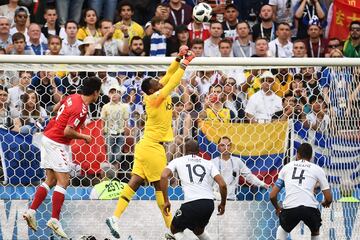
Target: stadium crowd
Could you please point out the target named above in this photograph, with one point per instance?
(239, 28)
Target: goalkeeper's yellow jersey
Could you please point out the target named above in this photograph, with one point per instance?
(158, 107)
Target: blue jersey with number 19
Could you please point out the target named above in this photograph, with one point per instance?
(196, 175)
(300, 178)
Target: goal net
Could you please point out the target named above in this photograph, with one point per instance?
(266, 107)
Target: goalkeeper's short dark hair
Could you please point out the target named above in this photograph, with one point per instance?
(146, 85)
(90, 85)
(305, 151)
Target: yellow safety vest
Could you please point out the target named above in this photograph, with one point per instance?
(109, 189)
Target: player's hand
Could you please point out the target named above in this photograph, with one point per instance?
(87, 138)
(183, 50)
(278, 211)
(167, 207)
(221, 209)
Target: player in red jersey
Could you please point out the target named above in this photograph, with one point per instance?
(56, 154)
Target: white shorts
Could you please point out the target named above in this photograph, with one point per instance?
(55, 156)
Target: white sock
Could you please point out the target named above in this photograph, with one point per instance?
(315, 237)
(179, 235)
(204, 236)
(281, 234)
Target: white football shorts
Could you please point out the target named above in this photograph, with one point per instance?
(55, 156)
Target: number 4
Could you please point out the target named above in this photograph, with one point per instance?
(300, 177)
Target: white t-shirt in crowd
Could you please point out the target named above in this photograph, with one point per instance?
(263, 106)
(196, 175)
(300, 178)
(278, 50)
(231, 170)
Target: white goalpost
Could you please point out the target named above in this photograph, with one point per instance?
(333, 130)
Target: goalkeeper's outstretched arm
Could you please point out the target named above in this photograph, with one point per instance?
(174, 65)
(175, 79)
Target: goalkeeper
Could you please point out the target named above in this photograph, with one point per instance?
(150, 158)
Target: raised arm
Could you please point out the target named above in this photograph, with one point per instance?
(176, 77)
(251, 178)
(174, 65)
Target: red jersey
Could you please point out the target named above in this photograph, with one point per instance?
(72, 112)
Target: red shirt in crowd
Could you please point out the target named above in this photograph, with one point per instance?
(72, 112)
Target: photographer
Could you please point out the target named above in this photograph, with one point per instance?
(231, 168)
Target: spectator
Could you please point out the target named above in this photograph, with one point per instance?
(21, 16)
(180, 13)
(162, 11)
(299, 49)
(310, 81)
(261, 48)
(243, 47)
(70, 45)
(51, 26)
(35, 44)
(233, 101)
(283, 80)
(19, 42)
(218, 8)
(267, 27)
(225, 48)
(168, 29)
(18, 90)
(89, 47)
(231, 168)
(181, 126)
(5, 37)
(281, 46)
(298, 89)
(214, 109)
(32, 115)
(315, 44)
(249, 9)
(305, 10)
(231, 19)
(333, 43)
(8, 11)
(264, 103)
(288, 103)
(136, 47)
(107, 82)
(55, 44)
(197, 46)
(198, 30)
(69, 10)
(211, 45)
(112, 47)
(204, 80)
(48, 87)
(317, 119)
(105, 9)
(181, 38)
(115, 115)
(126, 11)
(352, 45)
(71, 83)
(156, 44)
(284, 10)
(88, 25)
(6, 116)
